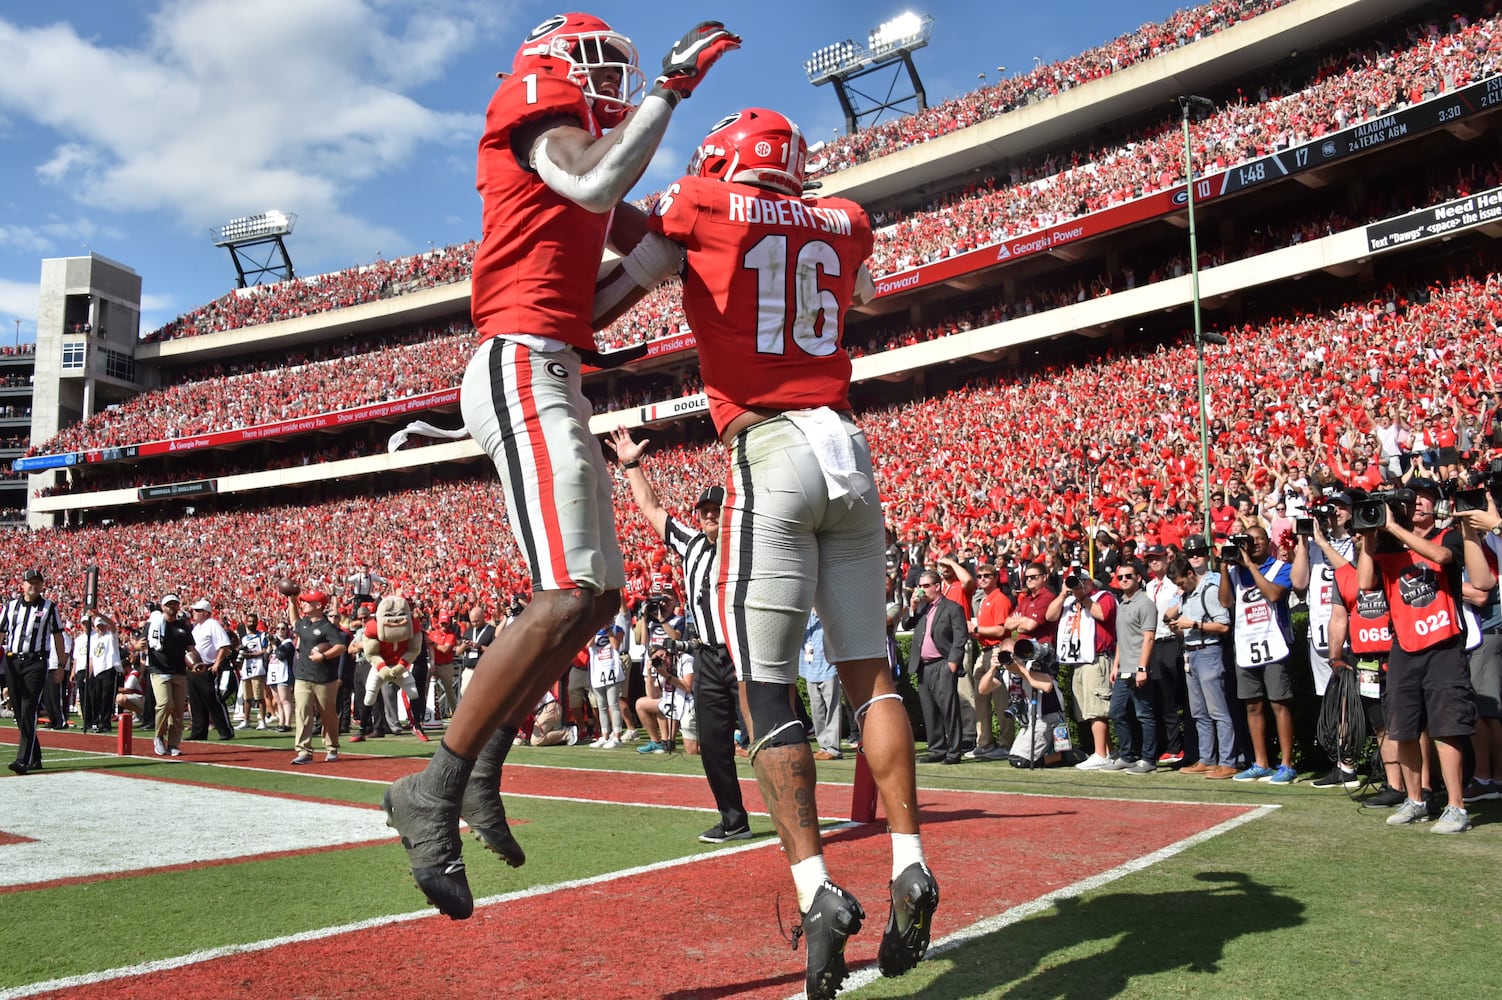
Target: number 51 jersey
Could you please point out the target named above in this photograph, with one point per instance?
(768, 281)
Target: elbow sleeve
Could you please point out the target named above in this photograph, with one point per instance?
(601, 187)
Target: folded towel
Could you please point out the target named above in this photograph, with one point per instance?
(830, 441)
(425, 429)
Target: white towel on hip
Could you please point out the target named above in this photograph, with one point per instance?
(830, 441)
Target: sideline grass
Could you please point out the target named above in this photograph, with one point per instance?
(1319, 898)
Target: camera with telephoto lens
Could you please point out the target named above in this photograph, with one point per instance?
(655, 609)
(1073, 582)
(664, 657)
(1373, 510)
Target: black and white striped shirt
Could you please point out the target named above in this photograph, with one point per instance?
(29, 627)
(698, 555)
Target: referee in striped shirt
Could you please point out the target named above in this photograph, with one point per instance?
(31, 623)
(715, 689)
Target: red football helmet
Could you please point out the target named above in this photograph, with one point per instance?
(577, 45)
(754, 146)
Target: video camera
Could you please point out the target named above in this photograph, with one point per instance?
(1370, 511)
(1235, 545)
(1474, 497)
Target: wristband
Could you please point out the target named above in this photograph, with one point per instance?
(633, 464)
(671, 96)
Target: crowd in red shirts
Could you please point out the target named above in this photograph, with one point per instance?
(384, 279)
(1038, 84)
(1363, 85)
(422, 359)
(331, 377)
(1013, 466)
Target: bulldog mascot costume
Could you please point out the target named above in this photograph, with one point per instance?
(392, 645)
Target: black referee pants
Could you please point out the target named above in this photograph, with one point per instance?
(27, 676)
(206, 706)
(715, 696)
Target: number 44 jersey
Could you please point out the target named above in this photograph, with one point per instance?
(768, 280)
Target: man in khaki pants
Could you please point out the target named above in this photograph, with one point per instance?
(315, 673)
(169, 642)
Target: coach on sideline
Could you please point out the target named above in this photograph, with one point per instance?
(31, 624)
(715, 689)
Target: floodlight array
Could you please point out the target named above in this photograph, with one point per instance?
(252, 227)
(830, 58)
(903, 31)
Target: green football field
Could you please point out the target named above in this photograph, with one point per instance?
(229, 873)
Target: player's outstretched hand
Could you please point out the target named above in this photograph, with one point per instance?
(700, 48)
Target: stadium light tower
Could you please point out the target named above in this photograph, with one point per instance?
(1191, 106)
(890, 43)
(255, 243)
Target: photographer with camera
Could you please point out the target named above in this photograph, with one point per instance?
(1085, 617)
(1323, 541)
(1361, 640)
(1255, 586)
(666, 702)
(1038, 667)
(1418, 565)
(716, 692)
(1200, 620)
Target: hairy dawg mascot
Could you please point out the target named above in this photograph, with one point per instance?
(392, 645)
(551, 183)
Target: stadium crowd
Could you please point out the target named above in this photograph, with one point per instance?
(320, 293)
(383, 279)
(1294, 401)
(372, 369)
(1042, 82)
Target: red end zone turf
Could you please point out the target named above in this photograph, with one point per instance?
(704, 928)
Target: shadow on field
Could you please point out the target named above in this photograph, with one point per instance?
(1153, 933)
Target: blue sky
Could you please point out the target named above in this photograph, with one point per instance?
(131, 128)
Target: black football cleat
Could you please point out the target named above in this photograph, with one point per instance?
(831, 918)
(915, 896)
(429, 828)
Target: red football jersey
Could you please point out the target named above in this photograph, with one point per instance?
(769, 279)
(534, 272)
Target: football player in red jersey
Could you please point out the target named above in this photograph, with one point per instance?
(551, 181)
(767, 279)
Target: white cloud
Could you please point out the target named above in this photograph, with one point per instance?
(228, 107)
(54, 238)
(18, 300)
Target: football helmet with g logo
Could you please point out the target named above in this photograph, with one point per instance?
(585, 49)
(754, 146)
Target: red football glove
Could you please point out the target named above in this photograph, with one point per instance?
(700, 48)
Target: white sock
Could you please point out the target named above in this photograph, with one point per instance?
(907, 849)
(808, 875)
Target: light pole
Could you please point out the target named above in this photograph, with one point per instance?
(1189, 104)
